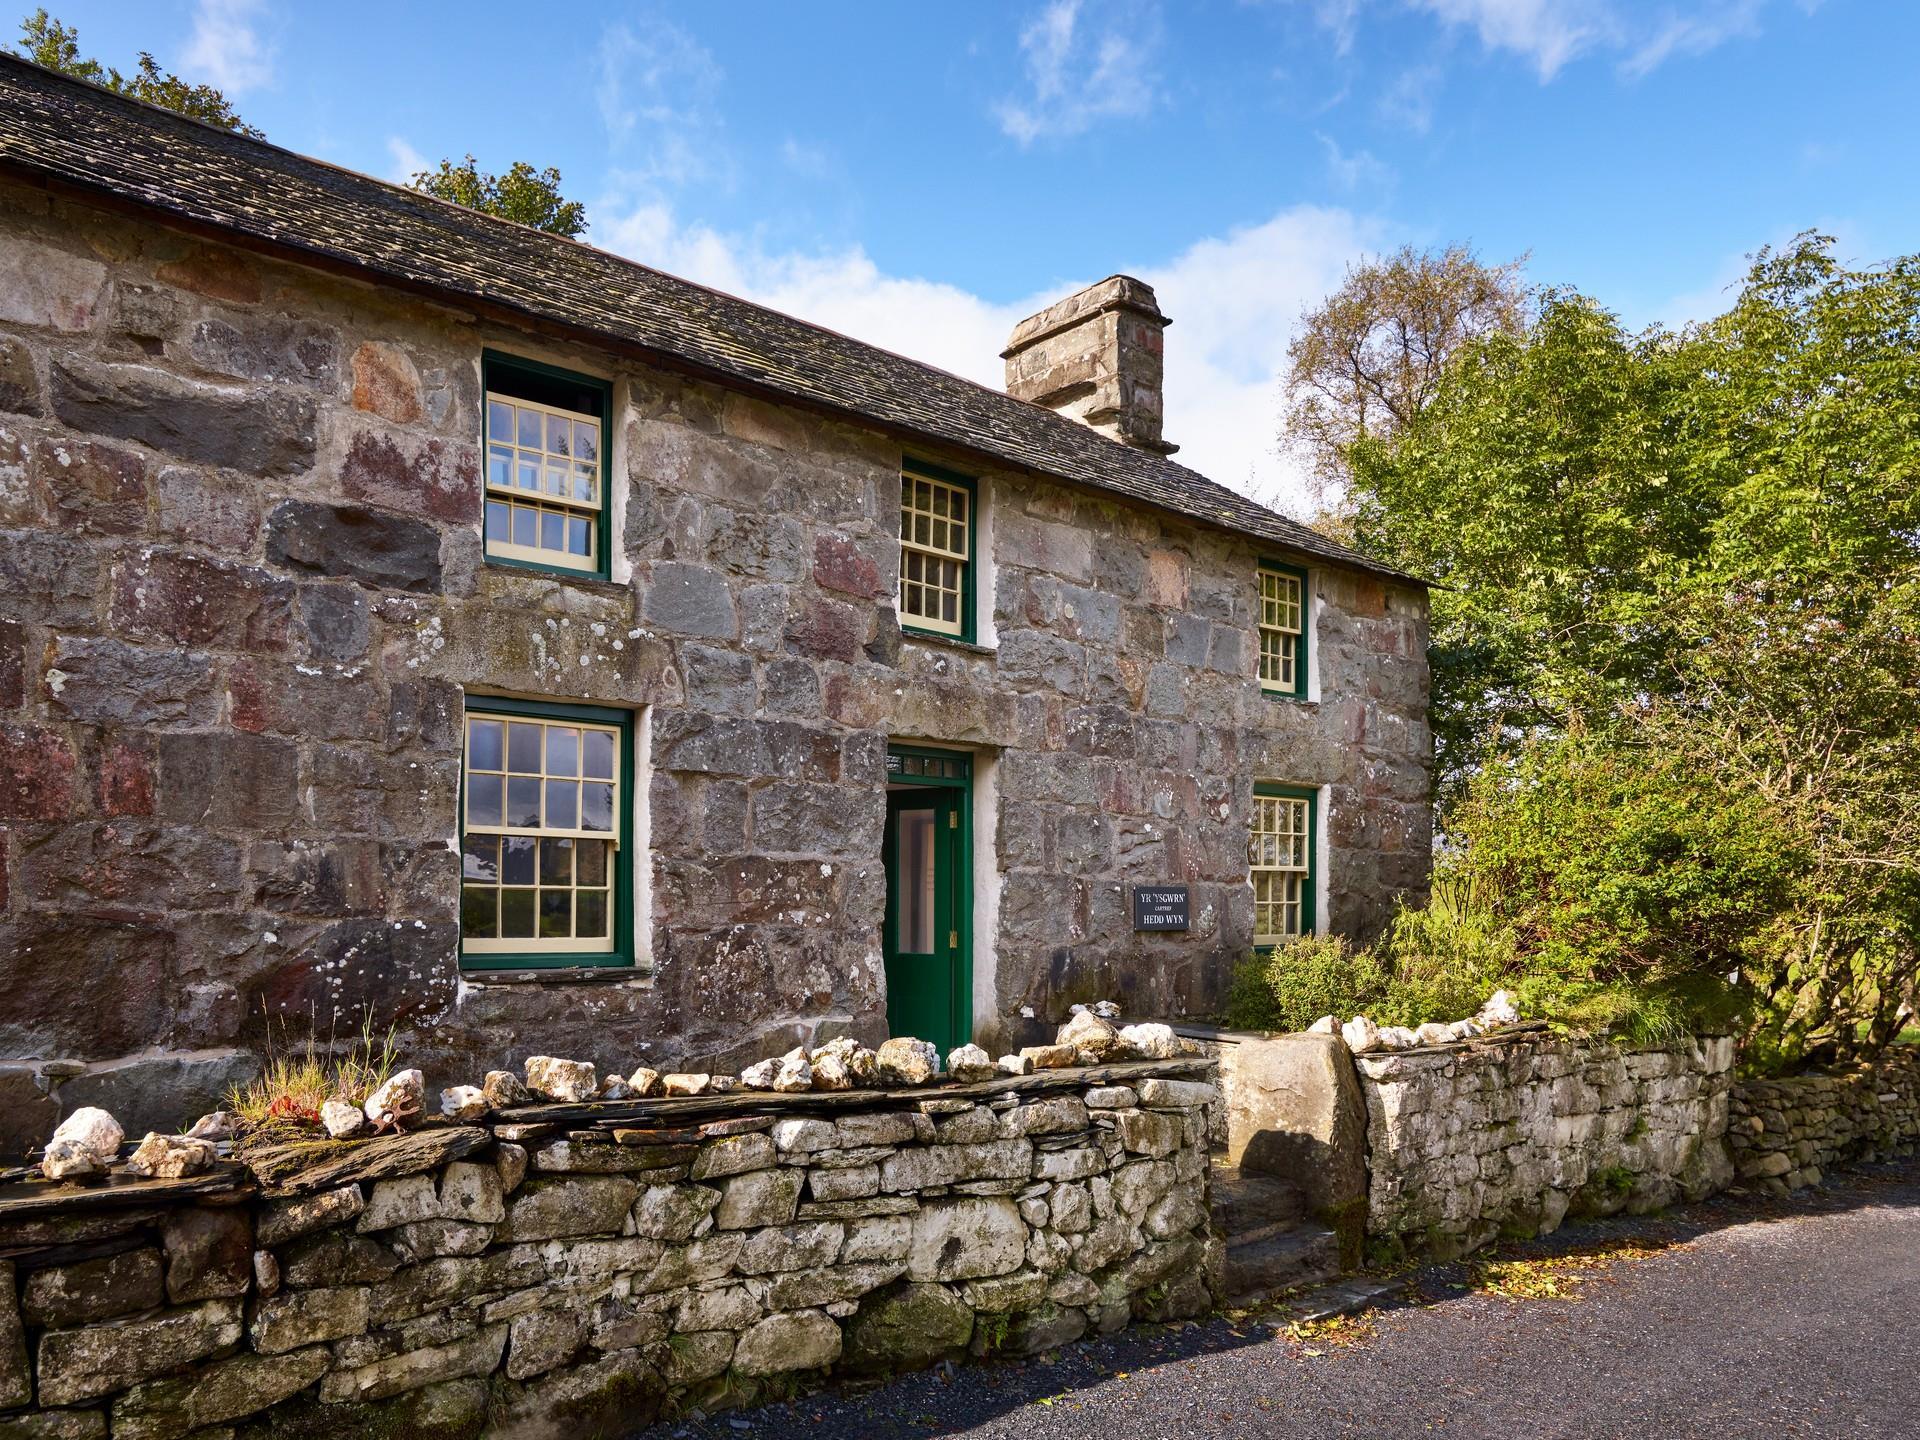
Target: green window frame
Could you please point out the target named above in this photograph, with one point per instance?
(547, 396)
(1283, 620)
(1283, 862)
(492, 844)
(939, 554)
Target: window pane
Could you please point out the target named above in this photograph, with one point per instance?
(586, 441)
(590, 914)
(499, 520)
(529, 473)
(483, 744)
(499, 466)
(499, 421)
(596, 807)
(523, 801)
(556, 862)
(530, 429)
(479, 912)
(591, 859)
(599, 755)
(553, 526)
(525, 523)
(559, 435)
(523, 892)
(516, 914)
(483, 799)
(518, 866)
(482, 858)
(913, 840)
(523, 749)
(578, 538)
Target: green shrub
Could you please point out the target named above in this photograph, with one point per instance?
(1614, 864)
(1292, 985)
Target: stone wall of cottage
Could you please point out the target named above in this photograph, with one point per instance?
(242, 597)
(1785, 1133)
(550, 1281)
(1510, 1135)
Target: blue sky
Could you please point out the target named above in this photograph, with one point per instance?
(923, 176)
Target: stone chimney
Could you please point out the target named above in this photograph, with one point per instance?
(1096, 357)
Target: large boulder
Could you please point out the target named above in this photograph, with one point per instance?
(966, 1238)
(969, 1063)
(1092, 1038)
(1294, 1109)
(1360, 1034)
(796, 1340)
(1152, 1041)
(93, 1130)
(907, 1061)
(906, 1326)
(171, 1157)
(568, 1081)
(464, 1102)
(503, 1090)
(399, 1100)
(1499, 1010)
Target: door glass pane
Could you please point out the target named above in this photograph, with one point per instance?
(914, 839)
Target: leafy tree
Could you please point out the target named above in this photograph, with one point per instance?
(45, 41)
(1371, 356)
(1699, 552)
(1533, 490)
(522, 195)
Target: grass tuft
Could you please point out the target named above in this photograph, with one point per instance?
(302, 1075)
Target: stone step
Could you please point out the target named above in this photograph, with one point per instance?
(1300, 1255)
(1246, 1205)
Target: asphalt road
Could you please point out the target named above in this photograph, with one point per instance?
(1787, 1318)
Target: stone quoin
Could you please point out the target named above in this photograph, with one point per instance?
(413, 619)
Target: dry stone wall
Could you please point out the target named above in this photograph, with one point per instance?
(1785, 1133)
(1465, 1142)
(243, 600)
(543, 1281)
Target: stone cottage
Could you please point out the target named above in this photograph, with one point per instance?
(411, 618)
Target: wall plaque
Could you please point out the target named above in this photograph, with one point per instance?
(1159, 907)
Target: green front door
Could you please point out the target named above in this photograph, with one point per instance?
(929, 898)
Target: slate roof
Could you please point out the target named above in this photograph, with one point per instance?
(54, 129)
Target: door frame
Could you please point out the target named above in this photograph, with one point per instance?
(933, 767)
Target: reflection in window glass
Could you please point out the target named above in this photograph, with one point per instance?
(914, 859)
(543, 479)
(537, 870)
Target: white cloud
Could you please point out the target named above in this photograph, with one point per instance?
(1235, 300)
(1084, 68)
(1548, 33)
(225, 49)
(656, 96)
(1693, 35)
(1352, 170)
(1408, 101)
(1551, 34)
(810, 162)
(407, 161)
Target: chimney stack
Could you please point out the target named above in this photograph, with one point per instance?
(1096, 357)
